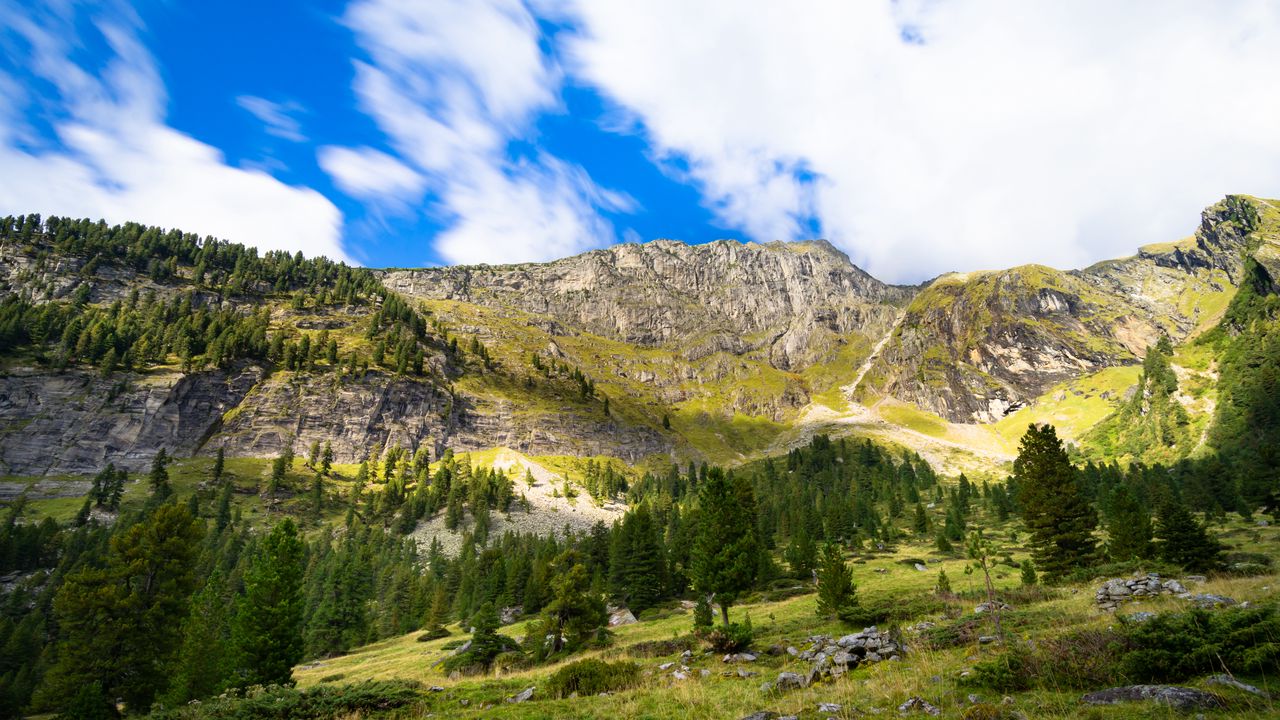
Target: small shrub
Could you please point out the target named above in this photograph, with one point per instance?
(511, 660)
(988, 711)
(433, 634)
(1080, 660)
(317, 703)
(1176, 646)
(332, 678)
(661, 648)
(592, 677)
(961, 631)
(730, 638)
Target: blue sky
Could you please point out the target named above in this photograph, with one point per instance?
(918, 136)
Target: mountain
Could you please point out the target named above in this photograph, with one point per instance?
(649, 353)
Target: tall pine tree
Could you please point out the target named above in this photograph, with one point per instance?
(1057, 513)
(725, 556)
(267, 630)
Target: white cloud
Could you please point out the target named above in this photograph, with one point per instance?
(452, 83)
(115, 158)
(1017, 132)
(370, 174)
(277, 117)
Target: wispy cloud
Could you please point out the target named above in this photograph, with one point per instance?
(111, 155)
(451, 84)
(948, 135)
(278, 118)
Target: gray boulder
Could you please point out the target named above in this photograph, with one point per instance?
(1179, 698)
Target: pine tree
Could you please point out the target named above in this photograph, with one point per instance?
(943, 586)
(267, 629)
(219, 465)
(222, 518)
(1129, 527)
(921, 522)
(802, 554)
(1183, 540)
(837, 595)
(158, 479)
(120, 626)
(575, 614)
(1056, 512)
(1029, 573)
(203, 664)
(724, 556)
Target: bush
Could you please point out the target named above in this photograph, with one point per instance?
(730, 638)
(958, 632)
(433, 634)
(332, 678)
(317, 703)
(661, 648)
(592, 677)
(1247, 564)
(1174, 647)
(1080, 660)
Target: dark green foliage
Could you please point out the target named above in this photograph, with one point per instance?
(1084, 659)
(1129, 526)
(1028, 572)
(802, 555)
(725, 556)
(1183, 541)
(266, 632)
(943, 586)
(703, 618)
(486, 643)
(89, 703)
(120, 626)
(158, 478)
(204, 663)
(592, 677)
(637, 567)
(1059, 516)
(730, 638)
(323, 702)
(837, 596)
(576, 613)
(1173, 647)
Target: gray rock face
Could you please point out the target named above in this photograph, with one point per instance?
(1180, 698)
(794, 299)
(69, 422)
(974, 347)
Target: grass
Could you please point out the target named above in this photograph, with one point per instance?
(882, 578)
(1073, 407)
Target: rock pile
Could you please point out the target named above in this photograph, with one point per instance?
(1118, 590)
(834, 657)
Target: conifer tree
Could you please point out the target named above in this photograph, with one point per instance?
(724, 556)
(120, 626)
(1029, 573)
(1057, 513)
(158, 479)
(575, 614)
(802, 554)
(267, 629)
(920, 524)
(1183, 540)
(837, 595)
(1129, 527)
(219, 465)
(203, 664)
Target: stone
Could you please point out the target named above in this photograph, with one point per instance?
(986, 639)
(762, 715)
(621, 617)
(1208, 600)
(1179, 698)
(742, 673)
(918, 704)
(830, 707)
(989, 606)
(522, 696)
(666, 666)
(788, 681)
(678, 675)
(509, 615)
(921, 568)
(1228, 681)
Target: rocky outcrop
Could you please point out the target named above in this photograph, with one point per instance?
(1116, 591)
(77, 422)
(973, 347)
(795, 302)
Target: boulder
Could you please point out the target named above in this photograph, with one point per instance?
(522, 696)
(918, 704)
(788, 681)
(1208, 600)
(762, 715)
(1228, 681)
(830, 707)
(1180, 698)
(621, 617)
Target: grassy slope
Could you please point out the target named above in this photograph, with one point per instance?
(932, 674)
